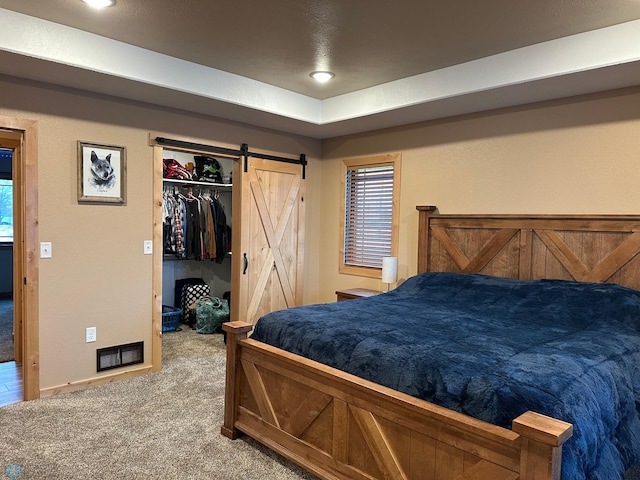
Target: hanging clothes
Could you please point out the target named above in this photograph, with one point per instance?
(178, 226)
(194, 227)
(204, 228)
(211, 226)
(168, 234)
(193, 239)
(221, 229)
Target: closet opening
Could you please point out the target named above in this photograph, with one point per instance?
(196, 228)
(263, 204)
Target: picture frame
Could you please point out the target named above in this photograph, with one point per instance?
(102, 173)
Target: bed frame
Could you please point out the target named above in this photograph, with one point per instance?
(339, 426)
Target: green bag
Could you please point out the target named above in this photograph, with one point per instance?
(211, 313)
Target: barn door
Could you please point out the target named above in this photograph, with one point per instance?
(269, 249)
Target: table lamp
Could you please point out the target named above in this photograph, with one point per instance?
(389, 270)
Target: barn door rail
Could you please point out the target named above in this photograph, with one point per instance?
(198, 146)
(298, 161)
(243, 152)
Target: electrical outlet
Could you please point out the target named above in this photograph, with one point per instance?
(45, 249)
(91, 334)
(148, 247)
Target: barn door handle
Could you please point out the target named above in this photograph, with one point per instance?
(246, 263)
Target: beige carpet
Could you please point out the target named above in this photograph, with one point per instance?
(164, 425)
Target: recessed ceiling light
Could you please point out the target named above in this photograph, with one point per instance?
(99, 3)
(322, 77)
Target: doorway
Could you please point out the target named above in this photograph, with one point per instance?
(10, 374)
(19, 137)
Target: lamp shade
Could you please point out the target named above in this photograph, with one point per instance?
(389, 269)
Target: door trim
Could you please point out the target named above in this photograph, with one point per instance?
(25, 248)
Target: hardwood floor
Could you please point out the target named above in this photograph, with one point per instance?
(10, 383)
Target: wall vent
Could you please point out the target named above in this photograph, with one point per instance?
(120, 356)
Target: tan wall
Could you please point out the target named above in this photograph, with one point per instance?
(572, 156)
(579, 155)
(98, 275)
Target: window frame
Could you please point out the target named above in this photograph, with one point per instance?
(394, 160)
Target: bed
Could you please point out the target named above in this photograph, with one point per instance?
(557, 396)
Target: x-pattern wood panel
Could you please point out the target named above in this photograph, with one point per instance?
(307, 412)
(385, 450)
(603, 270)
(486, 254)
(260, 393)
(309, 409)
(555, 244)
(379, 444)
(274, 236)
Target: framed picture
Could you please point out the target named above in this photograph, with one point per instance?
(102, 173)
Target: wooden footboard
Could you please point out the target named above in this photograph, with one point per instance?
(339, 426)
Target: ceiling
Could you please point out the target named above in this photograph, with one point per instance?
(395, 62)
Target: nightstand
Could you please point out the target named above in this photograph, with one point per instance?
(351, 293)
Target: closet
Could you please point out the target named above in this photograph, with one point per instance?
(197, 222)
(264, 205)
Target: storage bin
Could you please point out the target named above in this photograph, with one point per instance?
(170, 318)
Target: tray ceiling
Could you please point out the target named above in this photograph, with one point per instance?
(394, 63)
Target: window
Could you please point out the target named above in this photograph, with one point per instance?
(6, 211)
(370, 211)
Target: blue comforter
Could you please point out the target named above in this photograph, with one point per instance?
(493, 348)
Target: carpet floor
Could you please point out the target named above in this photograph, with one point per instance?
(156, 426)
(6, 330)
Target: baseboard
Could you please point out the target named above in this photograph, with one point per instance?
(6, 295)
(92, 382)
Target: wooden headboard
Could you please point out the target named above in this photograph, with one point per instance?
(588, 248)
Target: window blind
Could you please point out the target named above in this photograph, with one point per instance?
(368, 215)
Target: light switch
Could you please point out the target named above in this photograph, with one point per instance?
(148, 247)
(45, 249)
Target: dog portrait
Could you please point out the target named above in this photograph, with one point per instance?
(103, 176)
(101, 173)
